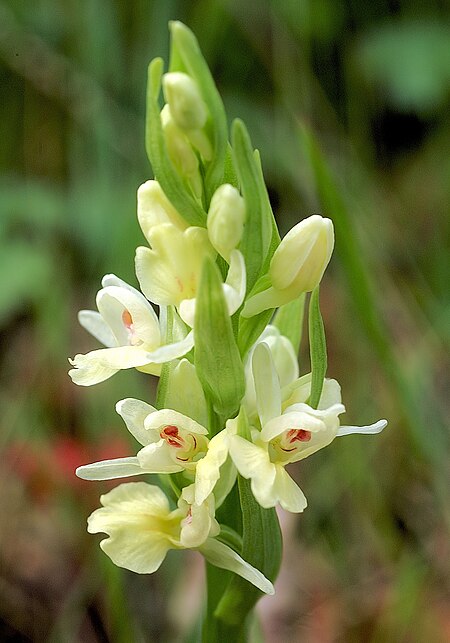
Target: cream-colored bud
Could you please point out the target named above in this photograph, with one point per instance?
(300, 260)
(153, 208)
(226, 218)
(180, 151)
(186, 104)
(297, 265)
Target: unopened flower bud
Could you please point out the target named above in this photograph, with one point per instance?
(301, 258)
(297, 265)
(153, 208)
(226, 219)
(186, 104)
(180, 151)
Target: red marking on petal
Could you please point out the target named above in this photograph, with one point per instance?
(298, 435)
(170, 435)
(127, 319)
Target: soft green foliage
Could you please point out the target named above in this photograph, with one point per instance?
(317, 348)
(217, 359)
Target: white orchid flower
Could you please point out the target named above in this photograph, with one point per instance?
(128, 326)
(169, 273)
(171, 441)
(286, 436)
(142, 528)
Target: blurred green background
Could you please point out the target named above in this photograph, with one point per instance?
(347, 102)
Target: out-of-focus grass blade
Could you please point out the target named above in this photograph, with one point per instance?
(362, 291)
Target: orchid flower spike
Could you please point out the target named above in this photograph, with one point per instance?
(128, 326)
(286, 436)
(141, 529)
(169, 273)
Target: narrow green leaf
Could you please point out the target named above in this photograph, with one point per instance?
(258, 230)
(186, 54)
(275, 239)
(217, 360)
(317, 348)
(172, 184)
(289, 320)
(261, 547)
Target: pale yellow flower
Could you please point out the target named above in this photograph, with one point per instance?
(142, 528)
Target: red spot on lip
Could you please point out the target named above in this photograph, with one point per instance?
(298, 435)
(170, 435)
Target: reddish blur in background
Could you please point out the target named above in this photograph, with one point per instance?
(347, 103)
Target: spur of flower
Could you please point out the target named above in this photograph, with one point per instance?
(130, 329)
(286, 434)
(142, 527)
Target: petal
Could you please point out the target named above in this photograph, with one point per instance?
(196, 527)
(153, 208)
(167, 417)
(290, 496)
(292, 420)
(207, 471)
(169, 352)
(110, 469)
(113, 300)
(133, 412)
(138, 520)
(371, 429)
(250, 459)
(94, 323)
(294, 250)
(135, 498)
(113, 280)
(236, 282)
(157, 281)
(253, 462)
(186, 310)
(267, 384)
(158, 457)
(224, 557)
(85, 374)
(139, 550)
(331, 395)
(98, 365)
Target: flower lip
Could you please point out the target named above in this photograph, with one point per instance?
(171, 435)
(298, 435)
